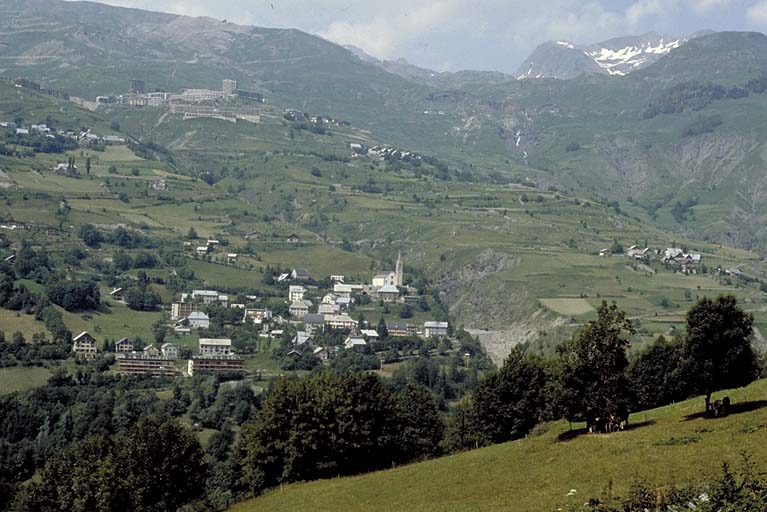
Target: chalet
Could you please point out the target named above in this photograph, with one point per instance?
(321, 353)
(208, 297)
(370, 334)
(328, 309)
(296, 293)
(84, 345)
(123, 345)
(231, 258)
(356, 343)
(202, 250)
(300, 274)
(342, 321)
(118, 294)
(337, 278)
(313, 323)
(169, 351)
(298, 309)
(211, 242)
(342, 290)
(236, 305)
(401, 329)
(294, 354)
(435, 329)
(672, 253)
(257, 316)
(152, 351)
(603, 253)
(388, 293)
(302, 338)
(215, 346)
(293, 238)
(182, 330)
(198, 320)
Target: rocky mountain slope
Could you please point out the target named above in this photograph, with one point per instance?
(619, 56)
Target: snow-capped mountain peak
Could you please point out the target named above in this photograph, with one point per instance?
(619, 56)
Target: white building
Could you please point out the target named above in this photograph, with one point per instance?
(435, 329)
(169, 351)
(198, 320)
(215, 346)
(84, 345)
(296, 293)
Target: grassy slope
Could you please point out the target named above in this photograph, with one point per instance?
(536, 473)
(21, 378)
(545, 250)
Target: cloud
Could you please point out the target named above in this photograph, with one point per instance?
(757, 13)
(478, 34)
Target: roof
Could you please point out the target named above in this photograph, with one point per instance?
(297, 304)
(399, 326)
(167, 345)
(435, 325)
(355, 341)
(81, 335)
(314, 319)
(206, 293)
(383, 275)
(219, 342)
(301, 338)
(370, 333)
(198, 315)
(319, 349)
(388, 289)
(116, 290)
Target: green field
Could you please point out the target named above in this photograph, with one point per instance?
(22, 378)
(665, 446)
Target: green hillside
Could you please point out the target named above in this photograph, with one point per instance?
(670, 445)
(517, 263)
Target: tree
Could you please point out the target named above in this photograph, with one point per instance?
(509, 403)
(192, 234)
(657, 376)
(594, 382)
(321, 426)
(717, 349)
(419, 425)
(88, 166)
(382, 330)
(91, 236)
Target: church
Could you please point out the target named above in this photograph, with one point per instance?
(390, 278)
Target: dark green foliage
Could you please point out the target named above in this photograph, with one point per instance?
(717, 351)
(91, 236)
(142, 299)
(420, 427)
(327, 425)
(702, 124)
(509, 403)
(594, 381)
(75, 296)
(158, 466)
(656, 375)
(685, 96)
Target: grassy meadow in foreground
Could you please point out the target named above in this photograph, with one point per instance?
(671, 444)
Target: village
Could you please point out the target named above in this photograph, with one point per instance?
(310, 311)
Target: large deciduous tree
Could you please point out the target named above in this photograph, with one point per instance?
(717, 349)
(594, 380)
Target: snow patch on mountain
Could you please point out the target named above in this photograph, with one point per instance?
(622, 61)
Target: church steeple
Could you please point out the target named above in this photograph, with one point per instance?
(398, 272)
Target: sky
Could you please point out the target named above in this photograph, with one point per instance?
(450, 35)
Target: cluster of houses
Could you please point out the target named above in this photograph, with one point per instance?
(215, 355)
(84, 138)
(687, 262)
(382, 152)
(139, 96)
